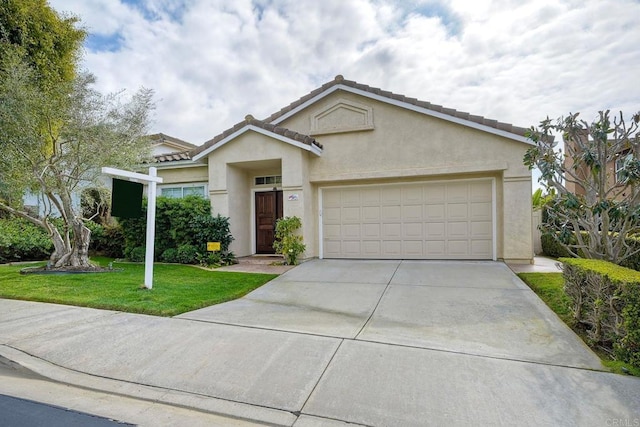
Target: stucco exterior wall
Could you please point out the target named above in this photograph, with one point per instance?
(406, 145)
(404, 142)
(393, 145)
(232, 169)
(184, 175)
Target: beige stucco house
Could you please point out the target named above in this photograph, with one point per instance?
(371, 174)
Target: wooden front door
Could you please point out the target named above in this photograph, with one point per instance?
(268, 211)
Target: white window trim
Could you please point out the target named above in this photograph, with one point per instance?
(183, 186)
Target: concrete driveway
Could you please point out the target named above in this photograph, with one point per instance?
(478, 308)
(374, 343)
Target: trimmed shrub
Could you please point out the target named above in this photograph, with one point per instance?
(107, 240)
(170, 255)
(187, 254)
(606, 300)
(180, 222)
(21, 240)
(136, 254)
(552, 248)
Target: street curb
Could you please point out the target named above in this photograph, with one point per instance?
(208, 404)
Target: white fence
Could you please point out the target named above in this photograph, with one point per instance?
(535, 223)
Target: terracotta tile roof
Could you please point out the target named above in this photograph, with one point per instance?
(172, 157)
(339, 80)
(250, 120)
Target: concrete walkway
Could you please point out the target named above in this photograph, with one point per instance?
(332, 342)
(541, 264)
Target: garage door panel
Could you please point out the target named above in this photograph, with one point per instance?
(457, 211)
(332, 248)
(435, 193)
(371, 197)
(480, 210)
(458, 247)
(413, 230)
(391, 213)
(333, 231)
(352, 247)
(351, 231)
(351, 198)
(435, 212)
(412, 212)
(371, 213)
(457, 230)
(371, 231)
(445, 220)
(480, 247)
(391, 231)
(371, 248)
(457, 192)
(331, 199)
(391, 195)
(435, 249)
(392, 248)
(412, 248)
(332, 215)
(480, 191)
(481, 230)
(412, 195)
(435, 230)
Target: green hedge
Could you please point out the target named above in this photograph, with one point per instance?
(606, 300)
(21, 240)
(552, 248)
(106, 240)
(183, 228)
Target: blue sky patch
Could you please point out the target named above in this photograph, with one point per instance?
(104, 43)
(434, 9)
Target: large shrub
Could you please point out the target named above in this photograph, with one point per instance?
(179, 223)
(606, 300)
(551, 247)
(287, 241)
(21, 240)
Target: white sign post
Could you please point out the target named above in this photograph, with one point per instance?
(152, 179)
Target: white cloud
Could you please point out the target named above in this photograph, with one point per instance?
(213, 62)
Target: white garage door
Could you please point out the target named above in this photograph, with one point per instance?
(444, 220)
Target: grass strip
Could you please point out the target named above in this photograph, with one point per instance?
(176, 288)
(550, 288)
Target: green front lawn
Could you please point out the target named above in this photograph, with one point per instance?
(550, 288)
(176, 288)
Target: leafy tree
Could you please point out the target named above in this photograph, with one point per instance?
(54, 140)
(49, 42)
(595, 208)
(539, 200)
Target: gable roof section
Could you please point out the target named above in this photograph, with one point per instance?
(506, 130)
(161, 138)
(299, 140)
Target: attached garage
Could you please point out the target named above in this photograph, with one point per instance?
(427, 220)
(373, 174)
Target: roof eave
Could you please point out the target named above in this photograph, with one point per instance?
(308, 147)
(402, 104)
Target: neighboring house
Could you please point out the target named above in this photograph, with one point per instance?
(371, 174)
(613, 170)
(169, 149)
(161, 144)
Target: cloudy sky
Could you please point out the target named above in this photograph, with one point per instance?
(211, 62)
